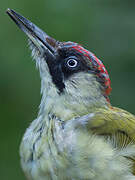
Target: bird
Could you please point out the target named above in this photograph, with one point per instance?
(78, 134)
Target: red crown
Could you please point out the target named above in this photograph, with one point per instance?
(95, 63)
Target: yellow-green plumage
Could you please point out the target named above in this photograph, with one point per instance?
(77, 134)
(61, 154)
(114, 122)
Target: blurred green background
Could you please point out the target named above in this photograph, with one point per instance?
(106, 27)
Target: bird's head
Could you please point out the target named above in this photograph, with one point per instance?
(70, 74)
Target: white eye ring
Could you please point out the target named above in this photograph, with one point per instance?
(72, 63)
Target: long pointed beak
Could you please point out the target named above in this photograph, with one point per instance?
(40, 39)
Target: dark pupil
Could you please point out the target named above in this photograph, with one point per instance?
(71, 62)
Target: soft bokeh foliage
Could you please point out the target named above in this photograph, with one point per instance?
(106, 27)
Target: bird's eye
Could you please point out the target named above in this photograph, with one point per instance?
(72, 63)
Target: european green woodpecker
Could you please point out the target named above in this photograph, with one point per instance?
(77, 135)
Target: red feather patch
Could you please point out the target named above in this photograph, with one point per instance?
(97, 64)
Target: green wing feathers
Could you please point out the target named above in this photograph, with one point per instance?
(116, 124)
